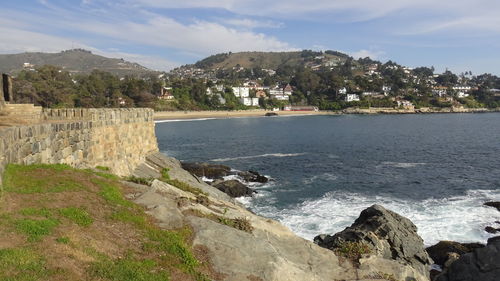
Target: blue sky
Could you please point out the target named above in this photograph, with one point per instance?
(460, 35)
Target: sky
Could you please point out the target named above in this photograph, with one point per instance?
(459, 35)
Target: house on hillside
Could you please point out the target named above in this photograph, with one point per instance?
(288, 90)
(166, 94)
(241, 92)
(250, 101)
(260, 94)
(343, 91)
(351, 97)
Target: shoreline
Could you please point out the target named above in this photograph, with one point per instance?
(223, 114)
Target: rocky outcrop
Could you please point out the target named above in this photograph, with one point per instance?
(387, 234)
(269, 251)
(252, 176)
(493, 204)
(212, 171)
(440, 252)
(483, 264)
(234, 188)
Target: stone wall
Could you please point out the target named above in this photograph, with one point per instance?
(116, 138)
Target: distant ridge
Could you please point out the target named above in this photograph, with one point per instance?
(268, 60)
(74, 61)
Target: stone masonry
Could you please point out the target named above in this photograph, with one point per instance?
(116, 138)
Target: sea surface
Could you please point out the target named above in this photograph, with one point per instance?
(437, 170)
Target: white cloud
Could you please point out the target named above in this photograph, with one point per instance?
(251, 24)
(373, 54)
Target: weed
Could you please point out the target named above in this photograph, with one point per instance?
(35, 229)
(129, 217)
(77, 215)
(352, 250)
(164, 174)
(43, 212)
(238, 223)
(203, 200)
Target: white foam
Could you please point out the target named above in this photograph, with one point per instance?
(460, 218)
(324, 177)
(258, 156)
(402, 164)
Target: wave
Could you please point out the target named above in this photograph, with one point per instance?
(183, 120)
(402, 164)
(322, 177)
(459, 218)
(258, 156)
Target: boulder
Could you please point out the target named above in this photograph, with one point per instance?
(441, 251)
(252, 176)
(493, 204)
(200, 169)
(492, 230)
(387, 234)
(482, 264)
(234, 188)
(271, 114)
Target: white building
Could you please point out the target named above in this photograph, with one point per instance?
(386, 89)
(343, 91)
(351, 97)
(462, 94)
(405, 104)
(250, 101)
(241, 92)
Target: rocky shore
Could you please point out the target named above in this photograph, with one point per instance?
(379, 245)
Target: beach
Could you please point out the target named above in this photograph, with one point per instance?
(174, 115)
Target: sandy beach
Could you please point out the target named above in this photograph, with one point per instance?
(174, 115)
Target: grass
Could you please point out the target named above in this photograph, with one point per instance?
(158, 254)
(22, 264)
(143, 181)
(102, 168)
(26, 180)
(35, 229)
(165, 177)
(77, 215)
(127, 269)
(242, 224)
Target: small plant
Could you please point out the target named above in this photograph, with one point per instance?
(77, 215)
(352, 250)
(164, 174)
(383, 276)
(203, 200)
(22, 264)
(143, 181)
(127, 269)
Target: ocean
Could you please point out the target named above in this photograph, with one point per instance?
(437, 170)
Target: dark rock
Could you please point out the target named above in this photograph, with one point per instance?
(213, 171)
(234, 188)
(491, 230)
(252, 176)
(440, 252)
(271, 114)
(387, 234)
(493, 204)
(482, 264)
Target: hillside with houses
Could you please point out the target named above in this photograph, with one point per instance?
(308, 79)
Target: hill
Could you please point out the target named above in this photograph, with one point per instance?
(74, 61)
(270, 60)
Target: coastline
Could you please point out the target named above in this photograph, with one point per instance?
(221, 114)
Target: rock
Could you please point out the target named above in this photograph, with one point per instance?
(271, 114)
(252, 176)
(213, 171)
(483, 264)
(387, 234)
(234, 188)
(493, 204)
(491, 230)
(440, 252)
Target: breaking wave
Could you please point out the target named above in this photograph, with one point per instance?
(258, 156)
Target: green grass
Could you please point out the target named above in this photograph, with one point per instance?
(164, 174)
(42, 212)
(63, 240)
(143, 181)
(102, 168)
(111, 193)
(25, 179)
(127, 269)
(22, 264)
(77, 215)
(35, 229)
(186, 187)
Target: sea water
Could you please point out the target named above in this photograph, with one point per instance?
(437, 170)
